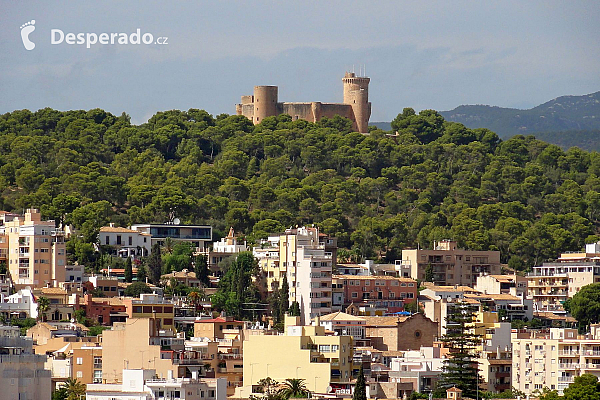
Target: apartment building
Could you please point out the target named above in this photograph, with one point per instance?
(140, 343)
(388, 292)
(36, 250)
(222, 340)
(514, 285)
(143, 384)
(420, 367)
(152, 306)
(199, 236)
(494, 353)
(323, 361)
(553, 358)
(22, 373)
(307, 258)
(449, 265)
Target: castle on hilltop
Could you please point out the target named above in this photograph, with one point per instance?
(356, 106)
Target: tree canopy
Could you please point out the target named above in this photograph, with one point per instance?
(377, 193)
(584, 306)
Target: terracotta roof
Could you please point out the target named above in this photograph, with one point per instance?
(451, 288)
(385, 321)
(374, 277)
(180, 274)
(340, 316)
(53, 290)
(504, 278)
(115, 229)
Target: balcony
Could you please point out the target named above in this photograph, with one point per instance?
(568, 352)
(567, 379)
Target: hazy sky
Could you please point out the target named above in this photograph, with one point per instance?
(419, 54)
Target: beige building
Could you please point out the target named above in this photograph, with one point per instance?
(36, 251)
(222, 340)
(553, 358)
(356, 106)
(450, 265)
(304, 352)
(140, 343)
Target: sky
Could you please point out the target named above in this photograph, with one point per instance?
(420, 54)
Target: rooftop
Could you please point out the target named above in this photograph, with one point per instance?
(341, 316)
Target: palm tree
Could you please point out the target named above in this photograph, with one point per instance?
(75, 389)
(294, 388)
(168, 245)
(43, 306)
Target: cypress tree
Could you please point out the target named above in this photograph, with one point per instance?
(155, 264)
(461, 368)
(128, 270)
(284, 293)
(360, 390)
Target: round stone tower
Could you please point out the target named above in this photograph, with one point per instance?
(356, 94)
(265, 102)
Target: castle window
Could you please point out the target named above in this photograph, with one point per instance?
(354, 101)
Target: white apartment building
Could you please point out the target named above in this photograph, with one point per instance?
(142, 384)
(125, 242)
(306, 258)
(553, 358)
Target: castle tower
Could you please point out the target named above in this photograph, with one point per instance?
(356, 94)
(265, 102)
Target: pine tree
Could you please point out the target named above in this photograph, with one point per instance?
(155, 264)
(128, 270)
(360, 390)
(461, 367)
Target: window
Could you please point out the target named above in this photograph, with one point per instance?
(118, 239)
(106, 240)
(80, 374)
(211, 393)
(354, 295)
(324, 348)
(79, 360)
(98, 376)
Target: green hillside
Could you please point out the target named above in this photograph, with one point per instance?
(377, 193)
(566, 113)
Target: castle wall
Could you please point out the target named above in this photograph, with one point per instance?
(264, 103)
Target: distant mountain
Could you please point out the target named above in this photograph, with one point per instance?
(565, 113)
(384, 126)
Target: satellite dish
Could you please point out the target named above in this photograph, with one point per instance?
(176, 221)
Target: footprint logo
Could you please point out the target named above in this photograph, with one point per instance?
(26, 29)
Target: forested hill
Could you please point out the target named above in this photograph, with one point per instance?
(376, 193)
(566, 113)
